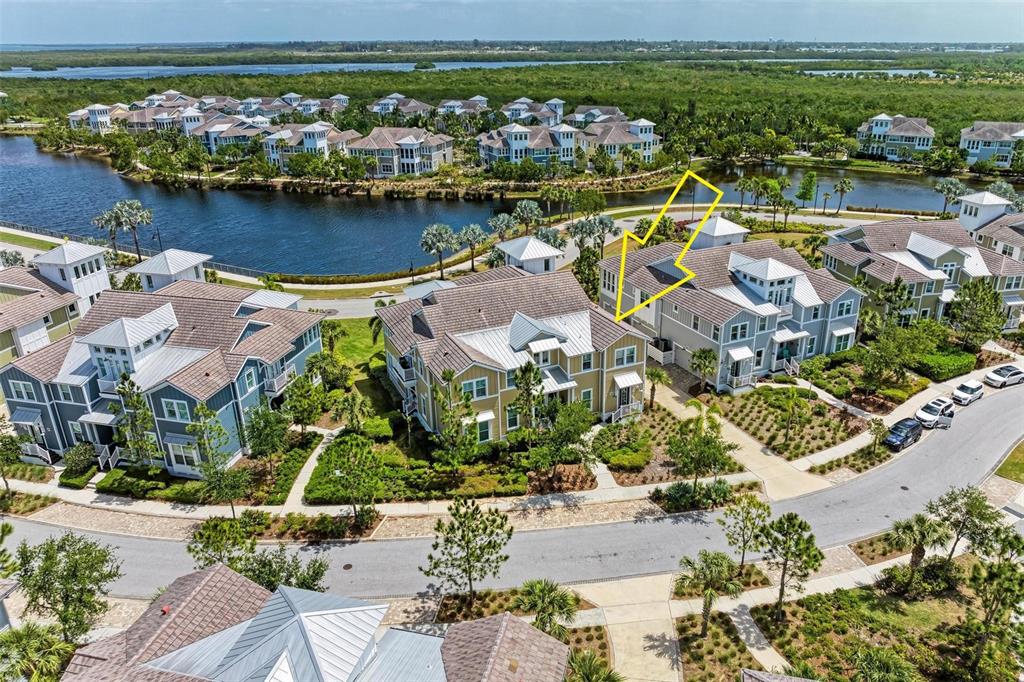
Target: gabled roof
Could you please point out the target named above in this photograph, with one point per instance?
(985, 199)
(502, 648)
(170, 262)
(68, 253)
(1006, 229)
(127, 332)
(529, 248)
(34, 296)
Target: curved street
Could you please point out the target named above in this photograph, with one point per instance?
(981, 436)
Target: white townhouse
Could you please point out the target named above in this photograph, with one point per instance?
(896, 138)
(515, 142)
(314, 138)
(586, 114)
(223, 130)
(616, 137)
(759, 307)
(463, 107)
(404, 107)
(525, 110)
(991, 141)
(403, 151)
(989, 220)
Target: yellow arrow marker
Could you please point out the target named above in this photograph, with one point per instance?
(687, 274)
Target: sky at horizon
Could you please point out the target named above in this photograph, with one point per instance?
(157, 21)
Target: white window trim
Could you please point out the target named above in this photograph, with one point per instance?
(472, 390)
(27, 389)
(164, 402)
(589, 393)
(624, 350)
(250, 373)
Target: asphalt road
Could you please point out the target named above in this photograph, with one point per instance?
(981, 436)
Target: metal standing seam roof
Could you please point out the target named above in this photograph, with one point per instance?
(170, 262)
(128, 332)
(529, 248)
(403, 655)
(68, 253)
(717, 226)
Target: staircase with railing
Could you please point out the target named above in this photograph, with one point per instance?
(791, 367)
(37, 451)
(627, 410)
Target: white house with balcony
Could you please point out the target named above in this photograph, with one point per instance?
(994, 141)
(897, 138)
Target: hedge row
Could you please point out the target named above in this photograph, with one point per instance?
(945, 365)
(79, 481)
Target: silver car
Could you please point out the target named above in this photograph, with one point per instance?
(1007, 375)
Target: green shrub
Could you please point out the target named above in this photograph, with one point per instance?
(256, 521)
(288, 469)
(682, 496)
(784, 379)
(135, 482)
(945, 365)
(896, 395)
(936, 575)
(77, 481)
(378, 428)
(187, 492)
(627, 459)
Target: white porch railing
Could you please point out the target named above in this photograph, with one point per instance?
(663, 357)
(785, 311)
(108, 386)
(738, 382)
(627, 411)
(37, 451)
(278, 383)
(791, 367)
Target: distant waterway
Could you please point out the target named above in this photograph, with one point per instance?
(113, 72)
(318, 234)
(930, 73)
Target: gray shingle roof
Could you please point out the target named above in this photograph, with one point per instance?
(502, 648)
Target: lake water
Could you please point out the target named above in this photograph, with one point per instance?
(315, 234)
(930, 73)
(111, 72)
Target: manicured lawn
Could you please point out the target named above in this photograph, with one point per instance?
(716, 658)
(355, 348)
(794, 239)
(876, 549)
(26, 241)
(1013, 467)
(817, 425)
(826, 630)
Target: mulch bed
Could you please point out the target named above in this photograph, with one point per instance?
(564, 478)
(876, 549)
(593, 638)
(715, 658)
(24, 504)
(988, 358)
(752, 578)
(455, 608)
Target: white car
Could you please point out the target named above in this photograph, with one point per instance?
(967, 392)
(931, 414)
(1007, 375)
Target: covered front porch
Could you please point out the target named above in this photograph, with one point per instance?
(626, 399)
(789, 344)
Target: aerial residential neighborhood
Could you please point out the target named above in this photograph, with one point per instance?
(499, 342)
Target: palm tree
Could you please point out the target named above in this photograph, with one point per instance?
(436, 239)
(471, 236)
(586, 666)
(33, 652)
(824, 201)
(330, 333)
(553, 606)
(126, 215)
(271, 282)
(815, 242)
(793, 407)
(788, 206)
(352, 408)
(656, 376)
(528, 213)
(495, 258)
(547, 194)
(744, 185)
(919, 533)
(705, 362)
(841, 188)
(375, 323)
(712, 574)
(951, 190)
(502, 225)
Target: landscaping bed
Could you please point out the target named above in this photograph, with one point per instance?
(23, 504)
(859, 461)
(591, 638)
(455, 608)
(716, 658)
(77, 481)
(305, 528)
(841, 375)
(660, 426)
(876, 549)
(273, 489)
(679, 497)
(816, 426)
(826, 631)
(151, 483)
(24, 471)
(751, 578)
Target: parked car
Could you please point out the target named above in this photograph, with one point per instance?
(1007, 375)
(903, 434)
(967, 392)
(931, 413)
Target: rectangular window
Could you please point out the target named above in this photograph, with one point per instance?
(475, 388)
(810, 345)
(1007, 250)
(608, 280)
(65, 393)
(183, 455)
(738, 331)
(510, 379)
(47, 320)
(949, 269)
(587, 398)
(587, 362)
(483, 432)
(925, 313)
(542, 359)
(762, 324)
(250, 379)
(845, 309)
(22, 390)
(843, 342)
(77, 273)
(1014, 283)
(72, 310)
(759, 357)
(716, 333)
(695, 323)
(77, 433)
(625, 356)
(512, 418)
(816, 312)
(149, 281)
(63, 275)
(175, 410)
(929, 287)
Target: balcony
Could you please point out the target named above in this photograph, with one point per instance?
(108, 387)
(785, 311)
(276, 385)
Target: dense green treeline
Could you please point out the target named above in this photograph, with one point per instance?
(724, 98)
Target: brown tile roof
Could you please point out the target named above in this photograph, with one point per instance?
(905, 125)
(847, 252)
(894, 235)
(45, 363)
(194, 606)
(610, 133)
(387, 138)
(492, 275)
(502, 648)
(992, 130)
(40, 297)
(1008, 229)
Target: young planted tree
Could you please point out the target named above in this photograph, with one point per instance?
(436, 239)
(67, 578)
(656, 376)
(358, 470)
(135, 423)
(743, 522)
(976, 314)
(10, 451)
(704, 362)
(375, 323)
(552, 236)
(33, 652)
(455, 412)
(527, 379)
(878, 431)
(967, 514)
(220, 541)
(352, 408)
(266, 433)
(919, 533)
(468, 548)
(553, 606)
(471, 237)
(998, 583)
(7, 563)
(793, 409)
(222, 482)
(586, 271)
(790, 549)
(712, 574)
(303, 402)
(698, 448)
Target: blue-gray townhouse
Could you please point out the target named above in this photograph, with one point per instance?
(189, 343)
